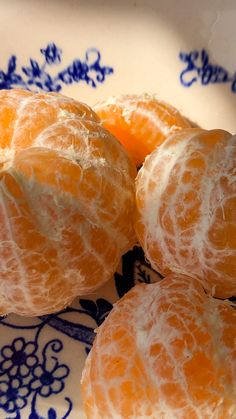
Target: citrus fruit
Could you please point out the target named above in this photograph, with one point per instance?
(166, 350)
(186, 208)
(140, 122)
(66, 202)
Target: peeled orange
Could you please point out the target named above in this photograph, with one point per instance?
(166, 350)
(140, 122)
(66, 202)
(186, 208)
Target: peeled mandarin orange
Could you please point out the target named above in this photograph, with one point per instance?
(186, 208)
(140, 122)
(66, 202)
(166, 350)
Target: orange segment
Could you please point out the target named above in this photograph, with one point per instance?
(8, 113)
(141, 123)
(186, 208)
(150, 377)
(66, 202)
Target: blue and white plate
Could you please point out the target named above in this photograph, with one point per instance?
(91, 49)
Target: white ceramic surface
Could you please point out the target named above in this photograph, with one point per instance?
(141, 41)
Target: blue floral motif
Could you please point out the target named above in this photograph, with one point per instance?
(97, 310)
(73, 330)
(25, 374)
(199, 68)
(13, 394)
(52, 414)
(48, 382)
(18, 358)
(36, 76)
(131, 261)
(52, 54)
(49, 379)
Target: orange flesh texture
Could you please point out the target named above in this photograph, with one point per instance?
(166, 350)
(186, 208)
(66, 202)
(141, 123)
